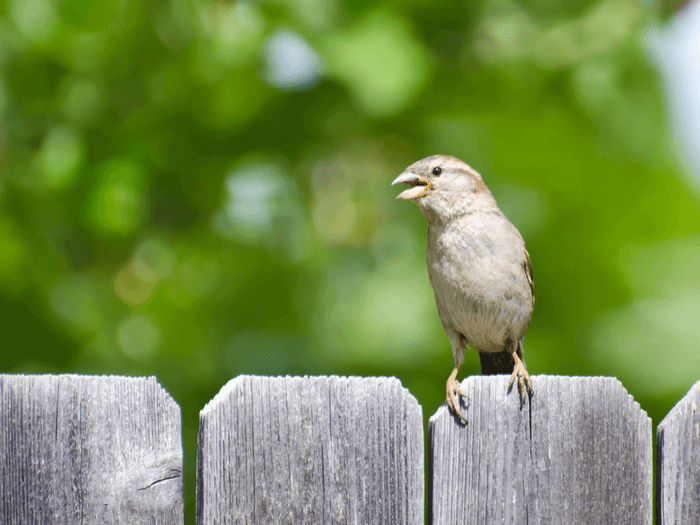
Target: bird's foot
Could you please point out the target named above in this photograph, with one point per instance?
(453, 388)
(523, 377)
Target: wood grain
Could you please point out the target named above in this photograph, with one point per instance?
(579, 452)
(678, 462)
(89, 450)
(291, 450)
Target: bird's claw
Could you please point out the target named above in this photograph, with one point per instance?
(520, 372)
(452, 401)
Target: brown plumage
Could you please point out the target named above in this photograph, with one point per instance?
(478, 267)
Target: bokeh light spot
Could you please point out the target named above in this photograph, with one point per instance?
(132, 288)
(238, 32)
(82, 99)
(261, 207)
(334, 215)
(655, 338)
(139, 336)
(117, 205)
(383, 64)
(252, 200)
(36, 19)
(60, 157)
(154, 259)
(291, 63)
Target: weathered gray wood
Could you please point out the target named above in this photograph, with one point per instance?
(580, 453)
(678, 463)
(311, 450)
(89, 450)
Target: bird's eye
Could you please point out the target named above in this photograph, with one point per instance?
(437, 170)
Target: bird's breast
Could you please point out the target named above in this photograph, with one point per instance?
(481, 289)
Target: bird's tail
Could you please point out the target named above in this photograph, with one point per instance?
(493, 363)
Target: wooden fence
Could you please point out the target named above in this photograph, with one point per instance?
(103, 450)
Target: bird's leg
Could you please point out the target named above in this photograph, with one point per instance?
(520, 372)
(452, 389)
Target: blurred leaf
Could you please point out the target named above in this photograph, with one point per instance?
(36, 19)
(59, 157)
(117, 204)
(655, 338)
(381, 61)
(139, 336)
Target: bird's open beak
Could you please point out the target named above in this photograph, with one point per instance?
(419, 186)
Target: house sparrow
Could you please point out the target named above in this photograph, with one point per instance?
(478, 267)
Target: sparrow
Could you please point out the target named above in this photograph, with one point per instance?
(478, 267)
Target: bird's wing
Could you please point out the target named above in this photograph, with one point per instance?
(528, 273)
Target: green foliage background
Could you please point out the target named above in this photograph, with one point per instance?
(170, 205)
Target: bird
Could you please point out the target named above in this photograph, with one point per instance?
(478, 267)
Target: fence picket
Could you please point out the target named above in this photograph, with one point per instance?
(89, 450)
(311, 450)
(579, 452)
(678, 462)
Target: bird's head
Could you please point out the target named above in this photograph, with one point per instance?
(443, 187)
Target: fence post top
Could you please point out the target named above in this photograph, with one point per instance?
(544, 386)
(243, 380)
(679, 408)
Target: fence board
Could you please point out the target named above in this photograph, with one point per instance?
(89, 450)
(579, 453)
(678, 462)
(311, 450)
